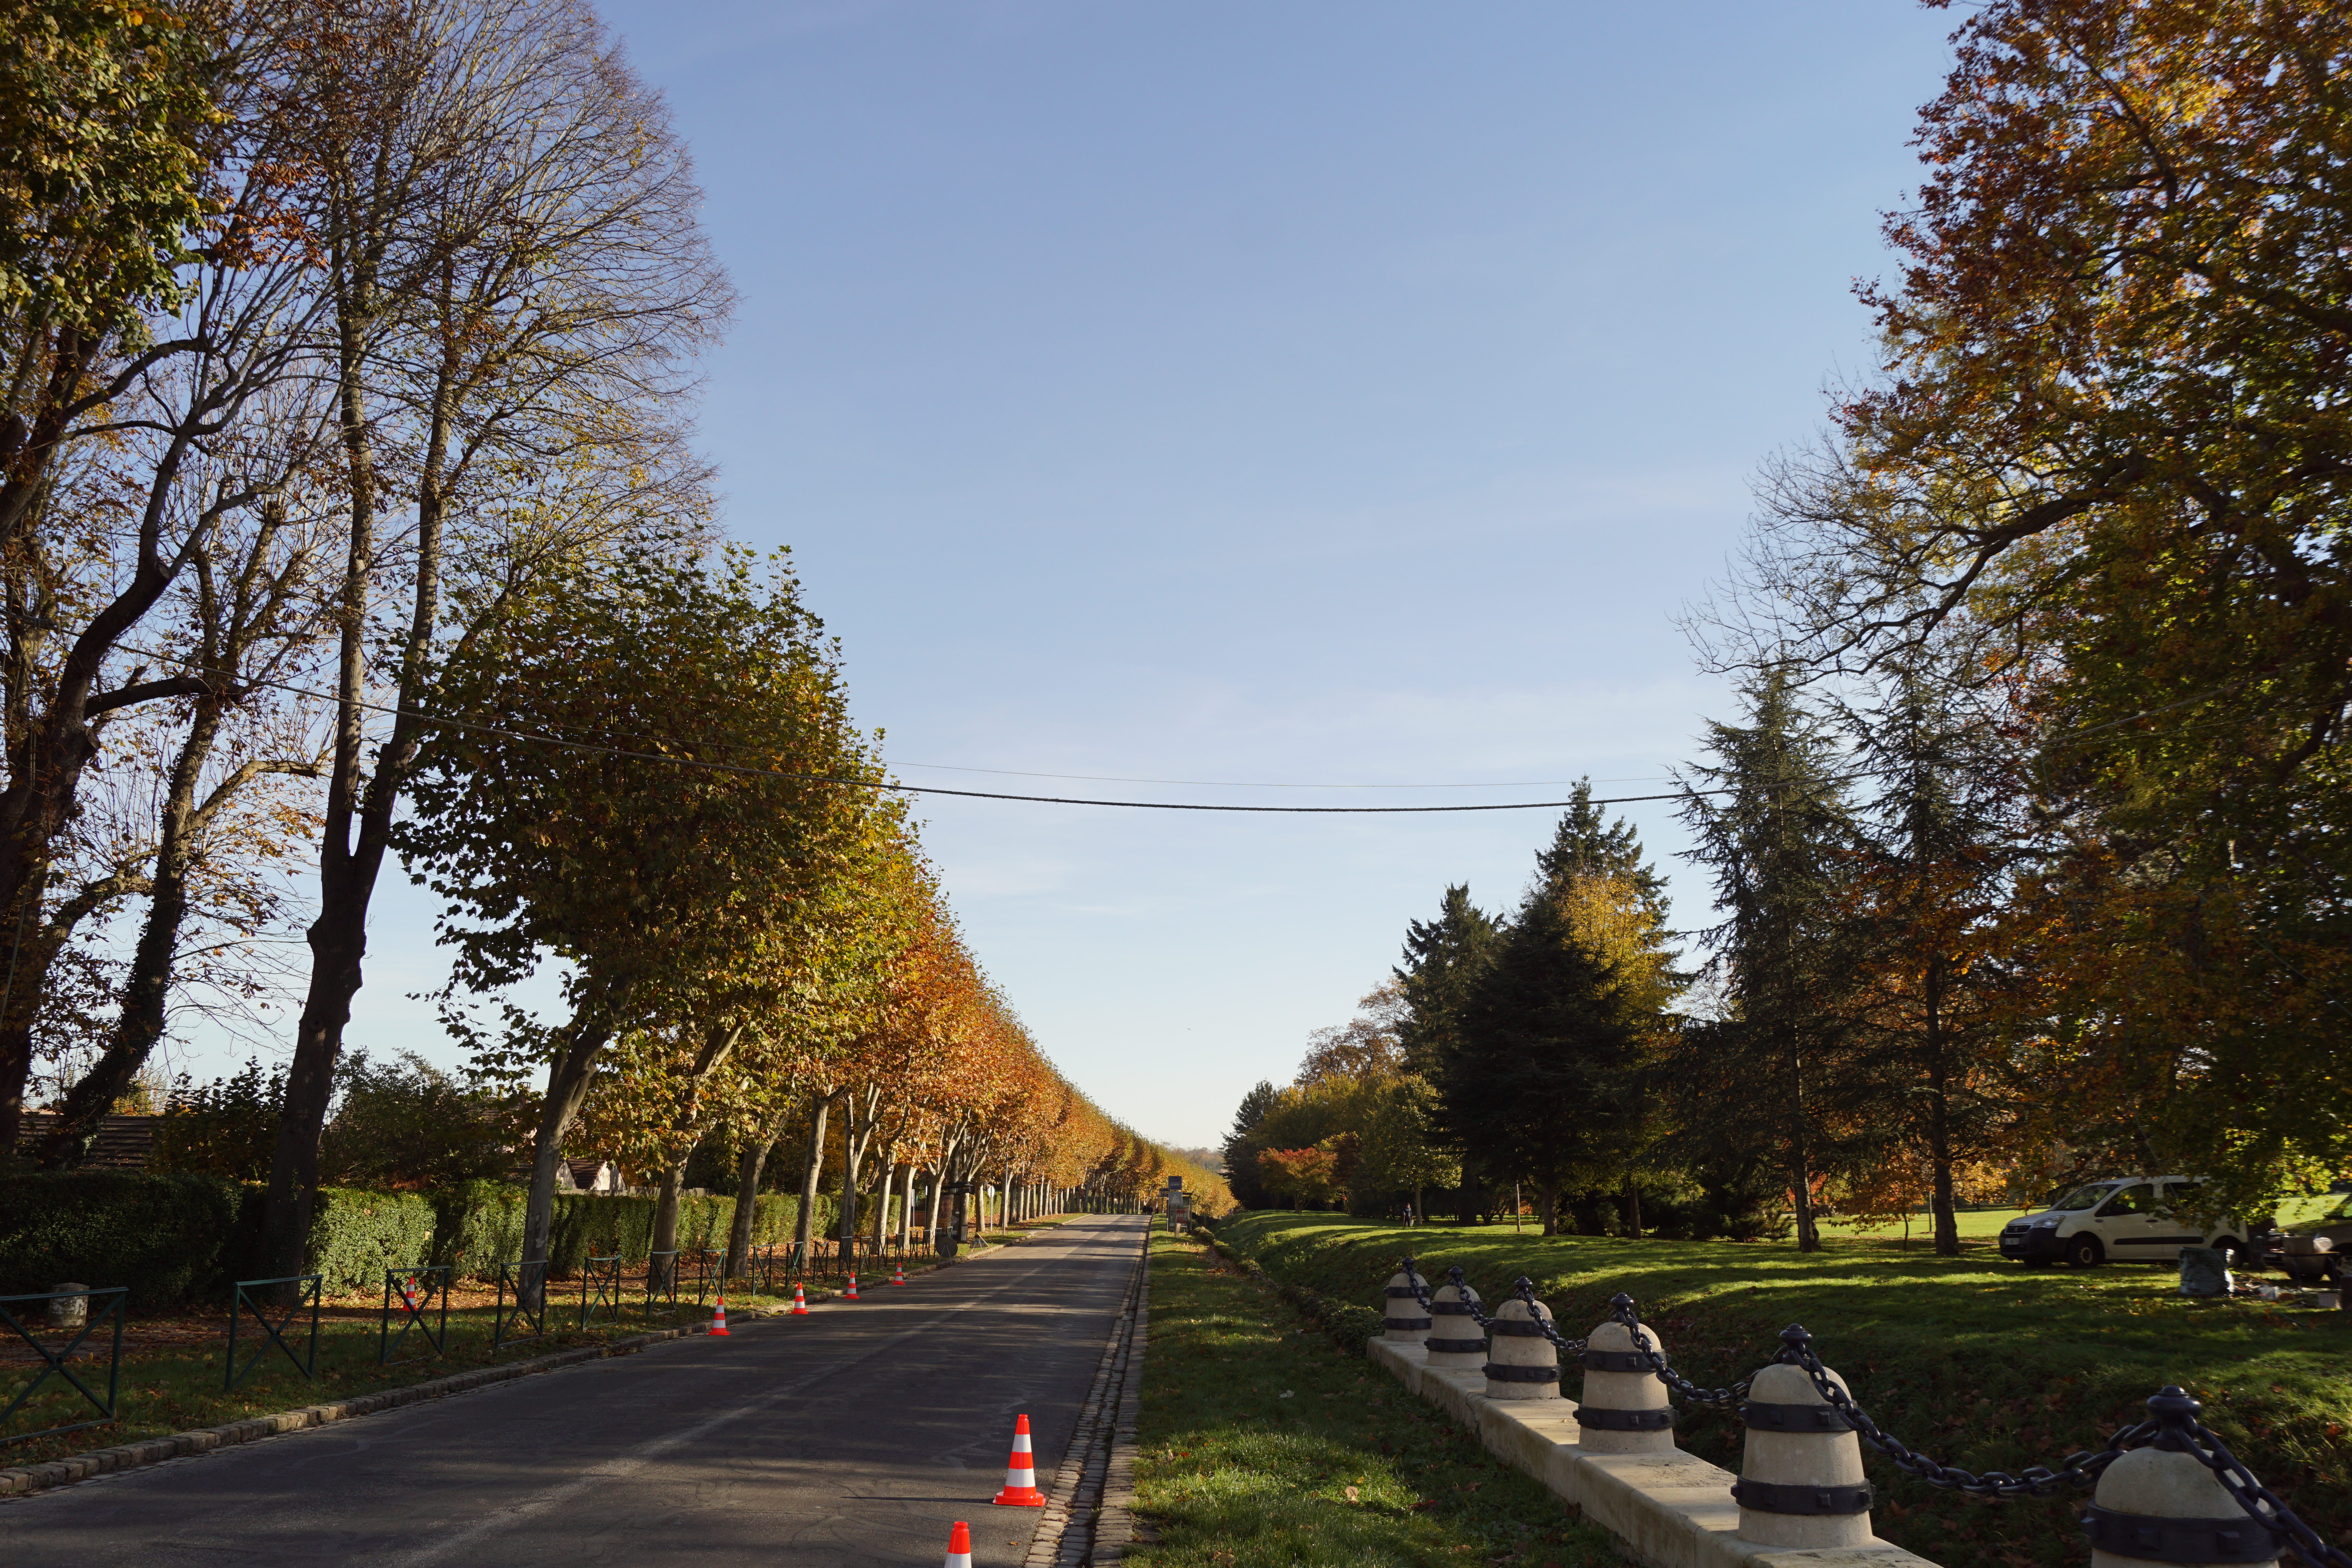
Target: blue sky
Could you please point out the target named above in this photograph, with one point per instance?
(1296, 394)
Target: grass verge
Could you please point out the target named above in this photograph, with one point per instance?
(1262, 1446)
(1978, 1362)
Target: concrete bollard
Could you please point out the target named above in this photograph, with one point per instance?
(1455, 1343)
(1404, 1322)
(2161, 1504)
(1800, 1481)
(1521, 1364)
(1624, 1410)
(69, 1311)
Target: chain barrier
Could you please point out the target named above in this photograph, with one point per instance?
(2035, 1480)
(1468, 1299)
(2173, 1426)
(1525, 1289)
(1621, 1309)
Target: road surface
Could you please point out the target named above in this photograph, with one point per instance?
(856, 1435)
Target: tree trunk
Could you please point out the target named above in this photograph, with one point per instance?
(1809, 1235)
(1548, 1195)
(931, 1215)
(748, 1173)
(803, 1229)
(660, 1274)
(1939, 1118)
(567, 1078)
(1633, 1208)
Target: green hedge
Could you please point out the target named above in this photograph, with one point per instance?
(170, 1238)
(185, 1237)
(355, 1236)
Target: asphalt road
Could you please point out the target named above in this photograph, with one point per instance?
(856, 1435)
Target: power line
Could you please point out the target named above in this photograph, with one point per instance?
(592, 748)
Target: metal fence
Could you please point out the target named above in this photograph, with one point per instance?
(2173, 1425)
(522, 1304)
(600, 1290)
(418, 1290)
(243, 1300)
(55, 1358)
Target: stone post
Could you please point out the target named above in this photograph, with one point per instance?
(1800, 1481)
(1404, 1322)
(2161, 1503)
(1521, 1364)
(1625, 1408)
(1456, 1340)
(69, 1311)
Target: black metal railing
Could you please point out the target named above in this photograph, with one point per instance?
(55, 1358)
(522, 1304)
(600, 1290)
(242, 1300)
(417, 1291)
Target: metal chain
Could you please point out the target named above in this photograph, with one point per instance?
(1621, 1308)
(1526, 1291)
(2179, 1430)
(2079, 1470)
(1414, 1283)
(1462, 1292)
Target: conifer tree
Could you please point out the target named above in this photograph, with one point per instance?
(1772, 824)
(1534, 1086)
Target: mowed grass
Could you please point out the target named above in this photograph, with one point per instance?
(1262, 1445)
(1979, 1361)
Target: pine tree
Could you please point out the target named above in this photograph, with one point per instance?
(1772, 824)
(1536, 1084)
(1931, 880)
(1442, 961)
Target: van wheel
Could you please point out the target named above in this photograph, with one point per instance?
(2084, 1251)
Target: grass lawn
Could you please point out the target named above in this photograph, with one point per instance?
(1262, 1446)
(173, 1362)
(1980, 1363)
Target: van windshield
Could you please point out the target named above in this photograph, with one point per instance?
(2086, 1197)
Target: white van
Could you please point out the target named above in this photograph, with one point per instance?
(2125, 1219)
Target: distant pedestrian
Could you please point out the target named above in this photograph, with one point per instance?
(1408, 1214)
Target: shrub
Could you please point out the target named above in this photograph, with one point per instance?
(408, 1125)
(225, 1128)
(170, 1238)
(355, 1236)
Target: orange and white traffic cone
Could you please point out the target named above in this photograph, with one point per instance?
(800, 1301)
(1021, 1471)
(898, 1276)
(960, 1546)
(718, 1321)
(852, 1294)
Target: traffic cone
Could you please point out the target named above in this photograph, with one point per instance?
(960, 1546)
(852, 1294)
(718, 1321)
(800, 1302)
(899, 1276)
(1021, 1471)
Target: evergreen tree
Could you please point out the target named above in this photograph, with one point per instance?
(1773, 824)
(1536, 1084)
(1930, 882)
(1443, 959)
(1615, 903)
(1244, 1143)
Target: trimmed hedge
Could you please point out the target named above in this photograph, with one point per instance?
(181, 1239)
(170, 1238)
(355, 1236)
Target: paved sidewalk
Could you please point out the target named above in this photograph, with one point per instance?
(856, 1435)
